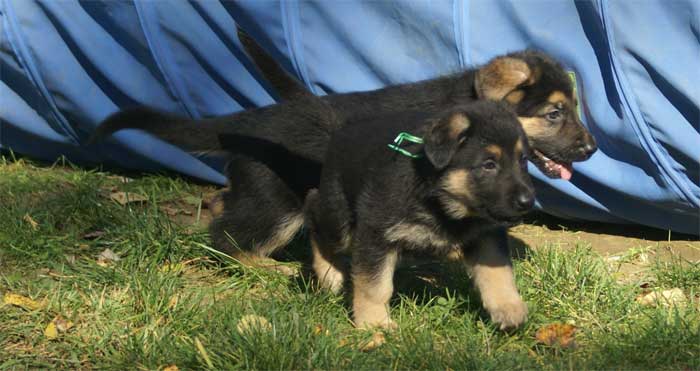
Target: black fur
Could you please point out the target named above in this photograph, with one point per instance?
(295, 134)
(367, 189)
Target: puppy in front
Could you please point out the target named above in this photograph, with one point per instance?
(451, 192)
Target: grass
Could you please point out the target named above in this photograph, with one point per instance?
(170, 300)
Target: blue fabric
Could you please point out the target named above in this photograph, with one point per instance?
(67, 65)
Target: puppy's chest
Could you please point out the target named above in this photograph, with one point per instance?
(424, 233)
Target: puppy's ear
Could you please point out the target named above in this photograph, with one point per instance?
(443, 138)
(501, 76)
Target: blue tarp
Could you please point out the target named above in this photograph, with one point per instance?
(66, 65)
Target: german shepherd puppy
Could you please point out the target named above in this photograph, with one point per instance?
(453, 195)
(277, 151)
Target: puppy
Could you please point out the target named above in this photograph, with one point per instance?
(453, 196)
(277, 151)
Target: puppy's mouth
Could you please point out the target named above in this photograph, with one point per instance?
(551, 168)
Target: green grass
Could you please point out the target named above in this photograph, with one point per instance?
(171, 300)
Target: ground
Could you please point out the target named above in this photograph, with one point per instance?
(101, 270)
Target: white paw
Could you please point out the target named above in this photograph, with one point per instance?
(510, 314)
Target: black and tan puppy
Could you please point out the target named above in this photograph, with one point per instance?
(278, 150)
(453, 195)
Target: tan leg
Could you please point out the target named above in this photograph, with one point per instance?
(329, 276)
(492, 273)
(371, 294)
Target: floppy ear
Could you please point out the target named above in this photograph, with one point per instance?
(501, 76)
(443, 138)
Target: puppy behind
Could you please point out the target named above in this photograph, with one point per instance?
(453, 196)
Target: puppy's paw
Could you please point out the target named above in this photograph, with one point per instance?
(386, 324)
(509, 315)
(332, 281)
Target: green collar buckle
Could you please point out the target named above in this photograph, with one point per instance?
(396, 146)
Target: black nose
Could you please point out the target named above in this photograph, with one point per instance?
(589, 147)
(525, 201)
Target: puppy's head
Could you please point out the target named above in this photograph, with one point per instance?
(543, 96)
(480, 152)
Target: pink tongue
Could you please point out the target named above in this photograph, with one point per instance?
(565, 171)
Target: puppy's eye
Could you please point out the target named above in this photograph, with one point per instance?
(554, 115)
(523, 160)
(489, 165)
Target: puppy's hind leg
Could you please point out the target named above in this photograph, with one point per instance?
(326, 264)
(260, 216)
(492, 273)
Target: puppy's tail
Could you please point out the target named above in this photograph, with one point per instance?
(183, 132)
(286, 86)
(302, 129)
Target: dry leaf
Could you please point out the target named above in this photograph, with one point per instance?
(93, 235)
(61, 324)
(124, 198)
(22, 301)
(173, 301)
(167, 267)
(51, 332)
(171, 368)
(31, 221)
(318, 329)
(251, 322)
(665, 298)
(557, 334)
(378, 339)
(106, 257)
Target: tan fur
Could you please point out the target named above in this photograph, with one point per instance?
(415, 234)
(501, 76)
(557, 97)
(495, 150)
(329, 277)
(492, 274)
(456, 184)
(515, 96)
(283, 233)
(518, 149)
(453, 207)
(371, 294)
(458, 124)
(537, 127)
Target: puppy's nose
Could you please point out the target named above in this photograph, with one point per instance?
(525, 201)
(589, 147)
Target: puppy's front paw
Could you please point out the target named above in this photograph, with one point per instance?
(509, 315)
(386, 323)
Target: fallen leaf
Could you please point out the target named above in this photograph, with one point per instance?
(378, 339)
(106, 257)
(557, 334)
(93, 235)
(31, 221)
(168, 267)
(252, 322)
(22, 301)
(664, 298)
(173, 301)
(50, 331)
(171, 368)
(62, 324)
(124, 198)
(318, 329)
